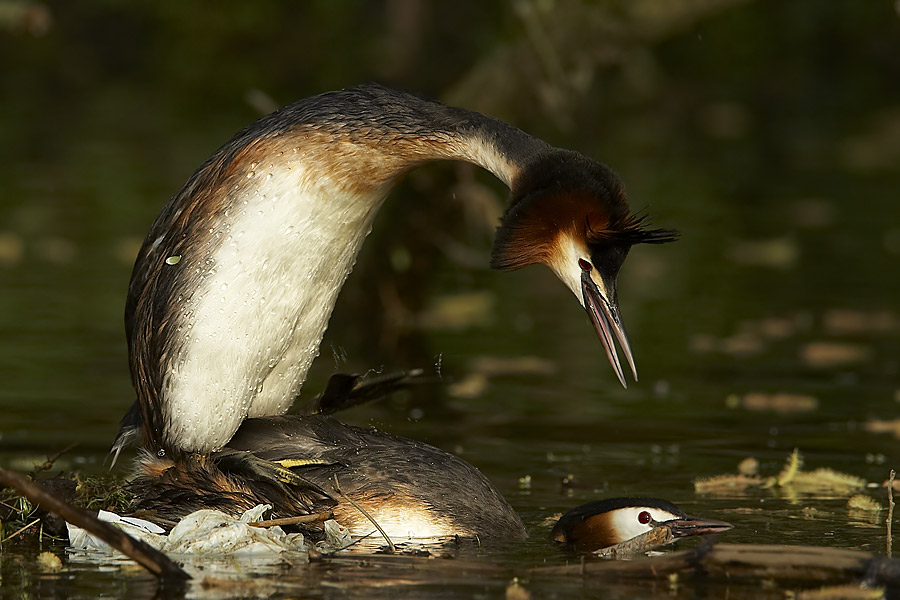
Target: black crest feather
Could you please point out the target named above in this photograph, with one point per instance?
(632, 230)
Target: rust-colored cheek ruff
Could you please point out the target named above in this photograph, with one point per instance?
(530, 231)
(593, 533)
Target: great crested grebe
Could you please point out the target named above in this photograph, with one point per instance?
(604, 523)
(234, 285)
(410, 489)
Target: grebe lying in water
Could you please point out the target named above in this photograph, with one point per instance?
(234, 285)
(604, 523)
(411, 489)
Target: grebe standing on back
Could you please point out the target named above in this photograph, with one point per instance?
(234, 285)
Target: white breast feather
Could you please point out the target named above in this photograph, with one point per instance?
(262, 302)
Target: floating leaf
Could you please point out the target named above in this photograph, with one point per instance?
(748, 467)
(863, 502)
(833, 354)
(47, 561)
(829, 478)
(876, 426)
(838, 321)
(782, 403)
(719, 484)
(792, 479)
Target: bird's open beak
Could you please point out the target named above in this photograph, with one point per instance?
(604, 315)
(689, 526)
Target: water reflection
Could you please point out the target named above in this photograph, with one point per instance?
(766, 133)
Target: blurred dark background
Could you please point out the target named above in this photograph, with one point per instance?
(767, 132)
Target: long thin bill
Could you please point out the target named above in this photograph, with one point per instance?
(694, 526)
(619, 330)
(605, 320)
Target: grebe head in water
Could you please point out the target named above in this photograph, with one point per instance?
(604, 523)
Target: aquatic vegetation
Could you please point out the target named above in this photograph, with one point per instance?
(792, 479)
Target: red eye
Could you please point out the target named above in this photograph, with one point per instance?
(644, 517)
(585, 265)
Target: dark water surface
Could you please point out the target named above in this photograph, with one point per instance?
(769, 135)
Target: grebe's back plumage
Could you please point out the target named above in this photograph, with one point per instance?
(409, 488)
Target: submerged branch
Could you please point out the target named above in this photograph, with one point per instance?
(147, 556)
(890, 517)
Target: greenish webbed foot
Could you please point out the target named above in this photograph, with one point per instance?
(277, 473)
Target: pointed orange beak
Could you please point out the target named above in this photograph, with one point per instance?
(604, 315)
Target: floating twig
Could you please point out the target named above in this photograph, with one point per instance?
(391, 547)
(144, 554)
(298, 520)
(890, 517)
(48, 464)
(12, 535)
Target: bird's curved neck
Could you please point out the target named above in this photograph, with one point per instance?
(365, 137)
(233, 288)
